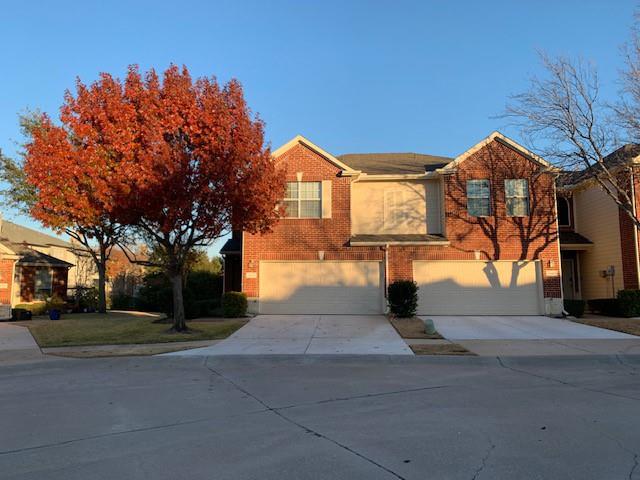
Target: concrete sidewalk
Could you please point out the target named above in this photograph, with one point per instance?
(18, 346)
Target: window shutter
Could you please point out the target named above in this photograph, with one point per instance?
(326, 199)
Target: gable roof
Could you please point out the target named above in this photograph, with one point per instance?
(32, 257)
(394, 163)
(12, 233)
(300, 140)
(504, 140)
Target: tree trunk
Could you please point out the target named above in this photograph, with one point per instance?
(102, 290)
(179, 324)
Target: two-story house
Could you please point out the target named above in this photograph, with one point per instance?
(598, 241)
(478, 233)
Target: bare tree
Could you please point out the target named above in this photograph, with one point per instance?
(567, 122)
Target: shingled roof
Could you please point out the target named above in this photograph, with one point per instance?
(621, 156)
(394, 163)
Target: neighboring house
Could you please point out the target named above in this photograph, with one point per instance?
(598, 241)
(478, 233)
(35, 266)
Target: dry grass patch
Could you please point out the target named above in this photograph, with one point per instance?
(412, 327)
(440, 349)
(625, 325)
(118, 328)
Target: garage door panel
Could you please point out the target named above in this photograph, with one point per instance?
(477, 288)
(324, 287)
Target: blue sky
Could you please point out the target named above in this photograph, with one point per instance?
(352, 76)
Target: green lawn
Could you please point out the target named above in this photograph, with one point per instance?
(116, 328)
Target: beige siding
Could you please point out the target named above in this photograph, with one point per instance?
(320, 287)
(468, 287)
(395, 207)
(83, 273)
(597, 219)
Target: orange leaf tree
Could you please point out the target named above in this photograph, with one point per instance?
(67, 175)
(180, 162)
(198, 168)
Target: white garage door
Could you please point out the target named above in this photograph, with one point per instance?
(322, 287)
(478, 288)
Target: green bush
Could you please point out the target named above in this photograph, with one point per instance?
(575, 307)
(402, 296)
(605, 306)
(629, 303)
(121, 301)
(87, 299)
(36, 308)
(204, 308)
(234, 304)
(55, 303)
(156, 293)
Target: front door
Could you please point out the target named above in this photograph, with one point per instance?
(568, 278)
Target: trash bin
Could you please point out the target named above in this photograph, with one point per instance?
(54, 314)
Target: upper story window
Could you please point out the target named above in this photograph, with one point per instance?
(479, 198)
(303, 200)
(517, 197)
(564, 216)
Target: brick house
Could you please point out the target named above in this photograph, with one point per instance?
(478, 233)
(35, 266)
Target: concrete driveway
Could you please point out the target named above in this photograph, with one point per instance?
(495, 335)
(310, 334)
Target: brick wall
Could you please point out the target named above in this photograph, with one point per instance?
(497, 237)
(302, 239)
(59, 282)
(27, 283)
(6, 280)
(500, 237)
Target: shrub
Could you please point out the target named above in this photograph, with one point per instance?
(629, 303)
(575, 307)
(402, 296)
(605, 306)
(234, 304)
(204, 308)
(55, 303)
(87, 299)
(122, 301)
(36, 308)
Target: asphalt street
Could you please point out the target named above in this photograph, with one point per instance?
(295, 417)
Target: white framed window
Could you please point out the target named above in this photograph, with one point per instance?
(479, 198)
(303, 200)
(517, 197)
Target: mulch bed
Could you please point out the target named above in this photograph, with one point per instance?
(441, 349)
(412, 327)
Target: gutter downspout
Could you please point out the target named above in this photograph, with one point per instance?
(635, 229)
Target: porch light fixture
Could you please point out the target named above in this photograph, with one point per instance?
(320, 254)
(552, 263)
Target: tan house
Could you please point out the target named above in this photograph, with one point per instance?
(35, 266)
(598, 241)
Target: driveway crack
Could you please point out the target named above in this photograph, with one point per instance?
(305, 428)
